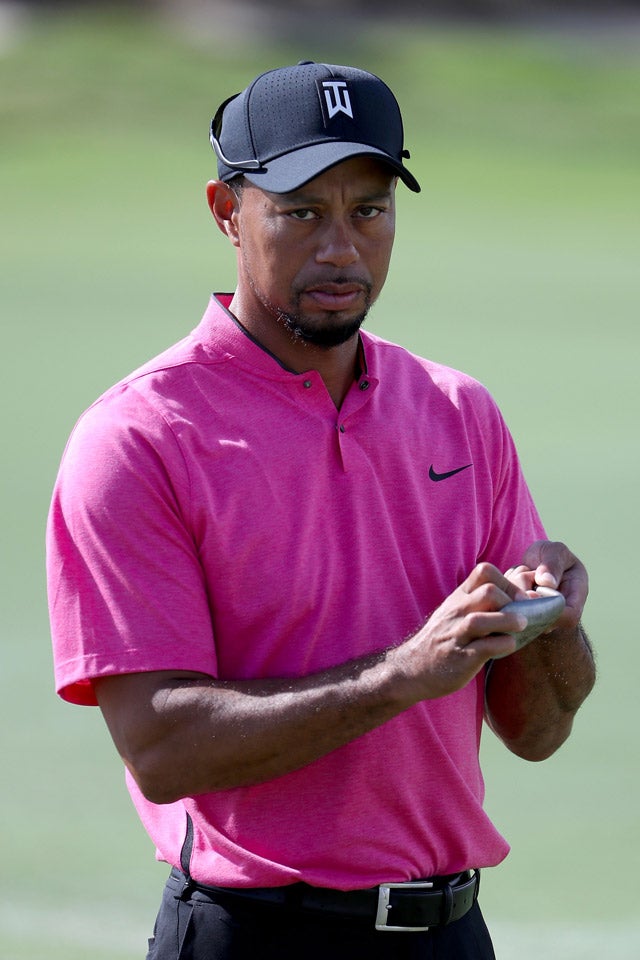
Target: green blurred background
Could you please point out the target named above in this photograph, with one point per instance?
(518, 263)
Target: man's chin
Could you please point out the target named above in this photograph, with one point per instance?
(322, 334)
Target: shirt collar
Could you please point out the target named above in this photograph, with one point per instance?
(220, 329)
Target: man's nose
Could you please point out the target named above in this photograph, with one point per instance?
(337, 245)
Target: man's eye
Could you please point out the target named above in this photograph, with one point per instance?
(303, 214)
(369, 213)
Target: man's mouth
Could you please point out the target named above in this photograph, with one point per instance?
(336, 296)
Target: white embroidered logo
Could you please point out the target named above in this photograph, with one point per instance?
(337, 97)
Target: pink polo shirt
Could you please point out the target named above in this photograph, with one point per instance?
(215, 512)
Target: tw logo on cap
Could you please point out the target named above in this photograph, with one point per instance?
(334, 96)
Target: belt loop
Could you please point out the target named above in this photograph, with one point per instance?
(447, 904)
(477, 889)
(185, 891)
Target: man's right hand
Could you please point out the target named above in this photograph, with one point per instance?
(462, 634)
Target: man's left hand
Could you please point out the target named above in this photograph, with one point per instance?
(549, 563)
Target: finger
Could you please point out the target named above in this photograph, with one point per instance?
(490, 587)
(544, 577)
(571, 579)
(522, 577)
(575, 588)
(482, 573)
(549, 559)
(492, 624)
(494, 647)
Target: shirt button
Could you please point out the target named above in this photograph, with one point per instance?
(307, 384)
(364, 384)
(342, 428)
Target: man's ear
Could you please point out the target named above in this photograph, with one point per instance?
(224, 205)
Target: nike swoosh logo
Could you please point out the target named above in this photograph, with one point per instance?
(445, 476)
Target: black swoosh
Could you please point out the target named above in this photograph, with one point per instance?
(445, 476)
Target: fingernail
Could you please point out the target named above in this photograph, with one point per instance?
(547, 579)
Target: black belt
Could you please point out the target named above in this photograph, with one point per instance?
(413, 905)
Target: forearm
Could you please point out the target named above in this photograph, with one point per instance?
(182, 734)
(532, 697)
(201, 735)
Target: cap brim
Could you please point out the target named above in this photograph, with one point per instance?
(294, 169)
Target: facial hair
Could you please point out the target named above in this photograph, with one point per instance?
(313, 332)
(321, 336)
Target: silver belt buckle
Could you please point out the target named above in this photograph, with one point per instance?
(384, 903)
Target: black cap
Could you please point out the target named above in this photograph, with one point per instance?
(293, 123)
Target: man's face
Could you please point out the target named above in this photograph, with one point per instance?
(314, 260)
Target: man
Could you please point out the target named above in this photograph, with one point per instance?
(275, 559)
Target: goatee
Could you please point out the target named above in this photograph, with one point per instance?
(332, 333)
(321, 336)
(313, 330)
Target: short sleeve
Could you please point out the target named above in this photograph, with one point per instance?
(126, 590)
(515, 522)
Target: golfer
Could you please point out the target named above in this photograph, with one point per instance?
(280, 557)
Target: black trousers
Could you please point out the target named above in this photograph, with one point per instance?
(206, 927)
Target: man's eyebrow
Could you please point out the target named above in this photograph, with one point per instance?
(379, 196)
(300, 198)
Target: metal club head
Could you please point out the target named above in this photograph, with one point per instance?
(541, 612)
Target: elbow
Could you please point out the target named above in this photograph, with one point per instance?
(158, 793)
(156, 781)
(165, 774)
(535, 752)
(539, 744)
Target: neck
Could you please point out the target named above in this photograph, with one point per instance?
(340, 371)
(338, 366)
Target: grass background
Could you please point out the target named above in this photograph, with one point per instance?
(518, 263)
